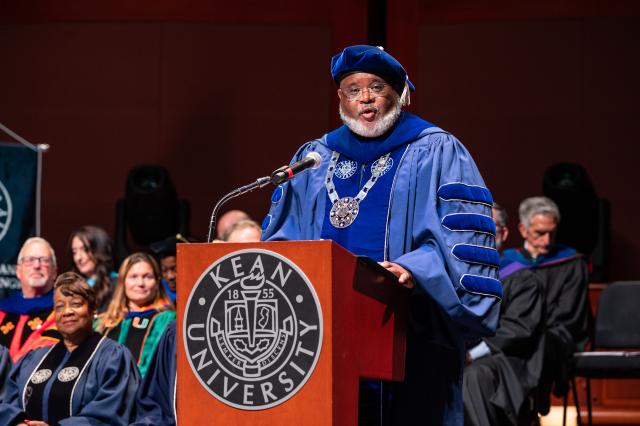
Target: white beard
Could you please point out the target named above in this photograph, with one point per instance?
(380, 127)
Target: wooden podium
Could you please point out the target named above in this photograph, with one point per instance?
(362, 335)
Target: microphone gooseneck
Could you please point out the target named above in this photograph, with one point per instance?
(259, 183)
(311, 161)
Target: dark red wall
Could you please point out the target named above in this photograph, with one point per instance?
(529, 84)
(221, 93)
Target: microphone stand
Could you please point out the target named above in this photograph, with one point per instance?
(259, 183)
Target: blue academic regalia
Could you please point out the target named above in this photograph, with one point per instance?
(514, 260)
(103, 395)
(5, 367)
(155, 399)
(172, 294)
(438, 225)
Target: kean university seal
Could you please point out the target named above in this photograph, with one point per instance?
(253, 329)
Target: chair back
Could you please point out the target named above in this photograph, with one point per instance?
(618, 317)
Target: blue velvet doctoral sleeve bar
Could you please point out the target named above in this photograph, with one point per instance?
(481, 285)
(462, 191)
(461, 222)
(476, 254)
(438, 160)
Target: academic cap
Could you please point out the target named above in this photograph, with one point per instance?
(167, 247)
(373, 60)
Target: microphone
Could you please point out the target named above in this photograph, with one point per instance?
(283, 174)
(311, 161)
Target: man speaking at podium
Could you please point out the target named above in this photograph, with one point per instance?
(405, 193)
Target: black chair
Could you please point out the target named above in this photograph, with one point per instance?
(615, 352)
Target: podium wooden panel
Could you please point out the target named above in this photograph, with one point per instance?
(363, 336)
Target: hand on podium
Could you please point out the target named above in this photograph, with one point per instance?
(405, 278)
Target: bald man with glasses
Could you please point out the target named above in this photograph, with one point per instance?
(26, 319)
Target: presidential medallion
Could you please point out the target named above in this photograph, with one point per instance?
(343, 212)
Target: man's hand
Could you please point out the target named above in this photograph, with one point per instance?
(404, 277)
(33, 423)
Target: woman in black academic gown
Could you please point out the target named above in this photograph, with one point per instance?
(140, 310)
(83, 379)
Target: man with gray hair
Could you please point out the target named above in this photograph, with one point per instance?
(496, 381)
(539, 218)
(564, 278)
(26, 319)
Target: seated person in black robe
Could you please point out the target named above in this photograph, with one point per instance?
(564, 276)
(501, 370)
(496, 383)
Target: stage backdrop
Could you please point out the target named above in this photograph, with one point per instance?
(18, 170)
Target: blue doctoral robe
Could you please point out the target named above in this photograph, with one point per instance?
(155, 399)
(439, 227)
(564, 277)
(5, 367)
(103, 395)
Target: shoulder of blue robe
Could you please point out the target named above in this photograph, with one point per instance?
(106, 393)
(440, 230)
(17, 304)
(11, 404)
(160, 323)
(512, 261)
(5, 367)
(295, 204)
(156, 395)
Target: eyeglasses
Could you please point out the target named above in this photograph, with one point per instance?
(375, 90)
(31, 260)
